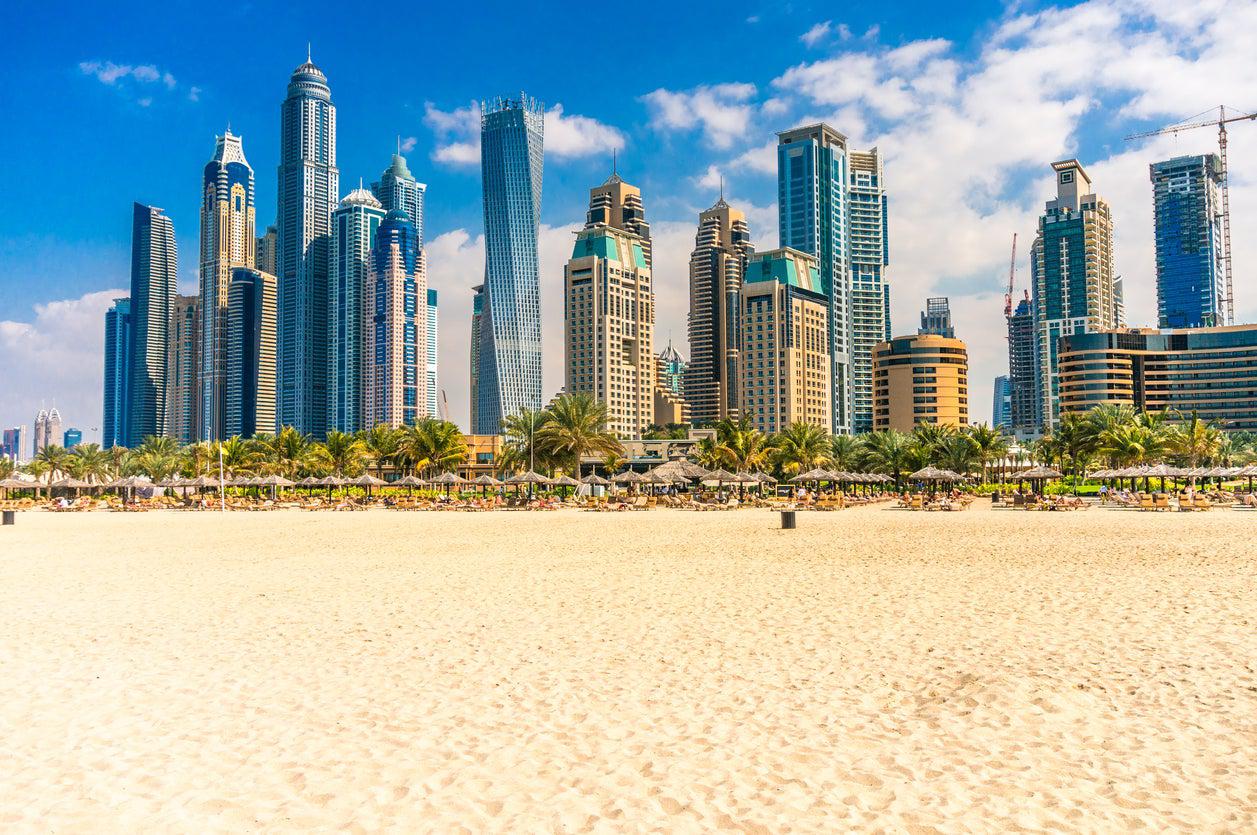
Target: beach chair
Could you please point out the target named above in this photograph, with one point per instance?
(1161, 501)
(1202, 503)
(1145, 501)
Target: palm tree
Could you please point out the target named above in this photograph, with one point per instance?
(613, 462)
(959, 453)
(1078, 441)
(383, 443)
(56, 458)
(887, 451)
(576, 426)
(432, 445)
(1194, 440)
(800, 447)
(36, 469)
(89, 462)
(521, 430)
(930, 439)
(844, 452)
(7, 467)
(239, 456)
(709, 453)
(745, 447)
(198, 459)
(345, 453)
(992, 445)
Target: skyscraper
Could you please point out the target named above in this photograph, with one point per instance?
(1001, 405)
(251, 314)
(785, 342)
(869, 256)
(1072, 274)
(154, 281)
(182, 367)
(354, 226)
(39, 439)
(717, 264)
(609, 312)
(433, 408)
(267, 259)
(71, 438)
(11, 443)
(119, 342)
(309, 188)
(398, 189)
(477, 316)
(227, 241)
(920, 379)
(936, 318)
(47, 429)
(670, 369)
(1187, 214)
(617, 204)
(1025, 407)
(511, 147)
(395, 324)
(812, 186)
(670, 403)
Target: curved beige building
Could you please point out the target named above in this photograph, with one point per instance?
(920, 379)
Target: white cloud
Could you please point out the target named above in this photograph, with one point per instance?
(723, 111)
(816, 34)
(130, 79)
(408, 144)
(458, 134)
(57, 357)
(709, 179)
(194, 94)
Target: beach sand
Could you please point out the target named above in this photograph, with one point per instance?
(668, 671)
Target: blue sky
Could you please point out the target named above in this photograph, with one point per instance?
(968, 103)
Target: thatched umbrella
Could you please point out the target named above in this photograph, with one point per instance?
(530, 478)
(75, 484)
(486, 481)
(275, 482)
(595, 480)
(449, 480)
(566, 481)
(681, 469)
(9, 484)
(410, 482)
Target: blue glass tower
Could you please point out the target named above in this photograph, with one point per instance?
(1002, 405)
(509, 378)
(1187, 213)
(309, 189)
(395, 324)
(432, 351)
(354, 227)
(398, 189)
(119, 339)
(154, 280)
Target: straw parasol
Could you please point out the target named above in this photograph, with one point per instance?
(448, 480)
(367, 481)
(566, 481)
(486, 481)
(75, 484)
(530, 478)
(681, 469)
(594, 479)
(629, 477)
(816, 474)
(935, 474)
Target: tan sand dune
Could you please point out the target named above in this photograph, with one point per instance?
(519, 672)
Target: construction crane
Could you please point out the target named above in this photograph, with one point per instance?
(1221, 122)
(1012, 276)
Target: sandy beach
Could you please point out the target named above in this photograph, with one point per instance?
(668, 671)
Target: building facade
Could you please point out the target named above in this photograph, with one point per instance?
(477, 314)
(717, 264)
(1023, 372)
(182, 367)
(154, 282)
(1211, 372)
(936, 318)
(920, 379)
(11, 443)
(309, 189)
(266, 257)
(227, 242)
(119, 344)
(868, 257)
(71, 438)
(354, 227)
(785, 363)
(1187, 216)
(670, 370)
(252, 310)
(433, 353)
(1075, 289)
(609, 315)
(398, 189)
(1001, 405)
(511, 151)
(812, 186)
(47, 430)
(395, 324)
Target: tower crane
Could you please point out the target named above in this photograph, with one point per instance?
(1012, 276)
(1221, 122)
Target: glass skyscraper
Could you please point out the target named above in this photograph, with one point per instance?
(119, 341)
(433, 410)
(1001, 405)
(1023, 373)
(394, 326)
(309, 189)
(227, 241)
(511, 148)
(354, 226)
(1187, 214)
(250, 399)
(936, 318)
(398, 189)
(870, 293)
(154, 280)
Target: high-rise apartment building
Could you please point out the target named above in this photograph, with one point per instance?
(251, 337)
(1001, 405)
(477, 315)
(154, 282)
(395, 324)
(717, 264)
(1025, 407)
(868, 257)
(936, 318)
(920, 379)
(670, 403)
(617, 204)
(119, 344)
(354, 227)
(1075, 289)
(1187, 215)
(183, 350)
(433, 342)
(609, 313)
(11, 443)
(309, 189)
(47, 430)
(812, 187)
(266, 258)
(398, 189)
(511, 149)
(785, 363)
(227, 241)
(71, 438)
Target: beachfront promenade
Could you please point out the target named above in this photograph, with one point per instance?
(574, 671)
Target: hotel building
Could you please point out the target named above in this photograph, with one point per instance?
(154, 281)
(182, 365)
(785, 363)
(920, 379)
(354, 226)
(1187, 215)
(251, 337)
(394, 327)
(1209, 371)
(119, 341)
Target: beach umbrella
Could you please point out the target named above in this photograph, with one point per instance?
(410, 482)
(566, 481)
(629, 477)
(595, 480)
(448, 480)
(530, 478)
(486, 481)
(74, 484)
(681, 469)
(367, 481)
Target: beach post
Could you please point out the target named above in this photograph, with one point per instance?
(787, 520)
(10, 517)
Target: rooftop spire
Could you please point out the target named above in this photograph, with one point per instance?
(309, 60)
(399, 144)
(613, 163)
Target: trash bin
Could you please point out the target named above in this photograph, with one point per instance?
(787, 520)
(9, 517)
